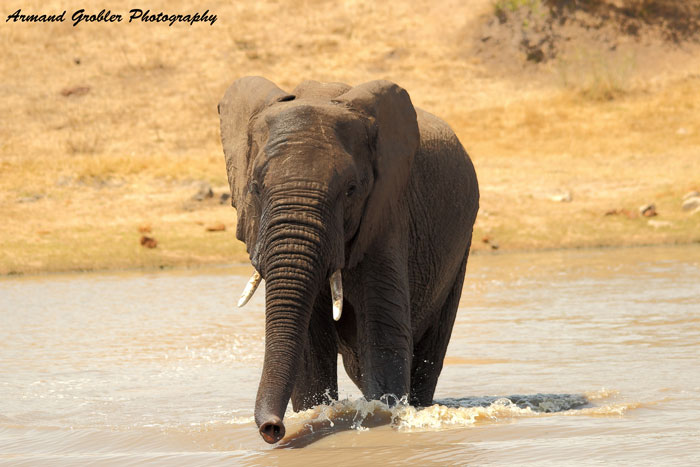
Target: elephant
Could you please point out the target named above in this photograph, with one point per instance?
(357, 210)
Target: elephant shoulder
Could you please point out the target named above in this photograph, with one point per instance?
(442, 160)
(437, 137)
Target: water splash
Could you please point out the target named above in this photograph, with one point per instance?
(468, 411)
(360, 414)
(602, 393)
(438, 417)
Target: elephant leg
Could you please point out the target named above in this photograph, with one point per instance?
(351, 363)
(317, 378)
(385, 339)
(347, 343)
(429, 352)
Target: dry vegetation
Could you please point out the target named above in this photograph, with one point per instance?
(108, 129)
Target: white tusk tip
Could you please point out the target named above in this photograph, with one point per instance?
(336, 281)
(337, 311)
(250, 288)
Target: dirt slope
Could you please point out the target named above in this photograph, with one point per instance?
(108, 128)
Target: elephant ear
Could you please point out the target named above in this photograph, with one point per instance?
(243, 100)
(394, 139)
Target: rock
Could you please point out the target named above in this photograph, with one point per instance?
(623, 212)
(148, 242)
(648, 210)
(75, 91)
(29, 199)
(535, 54)
(489, 241)
(563, 197)
(224, 198)
(659, 224)
(216, 228)
(204, 192)
(691, 203)
(691, 194)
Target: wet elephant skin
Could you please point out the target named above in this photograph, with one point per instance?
(353, 179)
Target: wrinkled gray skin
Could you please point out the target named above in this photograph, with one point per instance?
(332, 177)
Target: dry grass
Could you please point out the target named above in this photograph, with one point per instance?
(79, 173)
(94, 227)
(595, 75)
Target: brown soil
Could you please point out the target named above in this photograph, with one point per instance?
(557, 38)
(113, 128)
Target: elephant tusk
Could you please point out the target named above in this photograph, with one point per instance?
(250, 289)
(337, 294)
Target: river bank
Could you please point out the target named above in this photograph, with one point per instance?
(158, 224)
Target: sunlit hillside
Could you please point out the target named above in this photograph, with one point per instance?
(109, 130)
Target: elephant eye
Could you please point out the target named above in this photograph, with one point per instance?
(254, 188)
(351, 190)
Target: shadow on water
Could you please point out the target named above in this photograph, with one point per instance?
(347, 415)
(542, 403)
(315, 430)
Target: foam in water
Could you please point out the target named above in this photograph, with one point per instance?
(360, 414)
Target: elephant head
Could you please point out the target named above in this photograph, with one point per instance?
(312, 174)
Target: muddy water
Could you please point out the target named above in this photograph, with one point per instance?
(556, 358)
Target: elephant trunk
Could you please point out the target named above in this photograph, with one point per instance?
(295, 259)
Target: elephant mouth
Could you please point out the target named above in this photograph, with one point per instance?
(335, 281)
